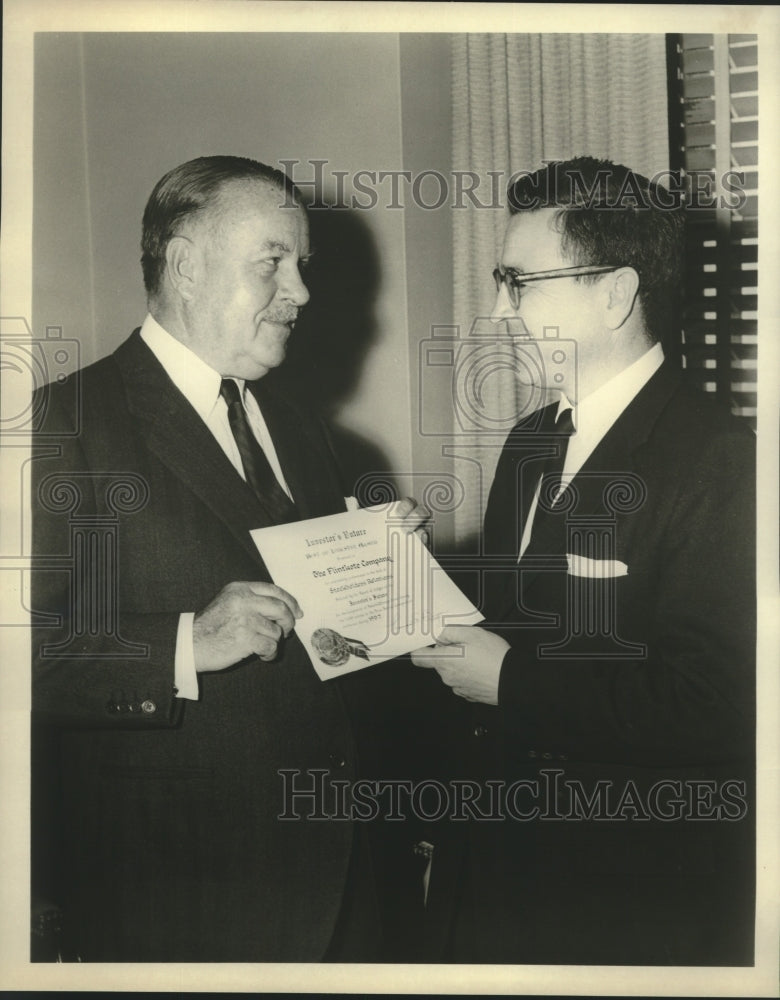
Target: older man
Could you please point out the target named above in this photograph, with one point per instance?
(168, 663)
(612, 685)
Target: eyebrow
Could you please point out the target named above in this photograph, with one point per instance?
(284, 248)
(275, 245)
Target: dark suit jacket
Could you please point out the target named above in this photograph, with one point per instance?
(630, 680)
(172, 850)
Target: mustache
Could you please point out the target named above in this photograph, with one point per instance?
(282, 315)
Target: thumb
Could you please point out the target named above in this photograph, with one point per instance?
(453, 635)
(421, 657)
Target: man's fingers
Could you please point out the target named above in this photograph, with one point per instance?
(417, 518)
(434, 657)
(272, 591)
(405, 507)
(461, 693)
(267, 627)
(421, 657)
(245, 618)
(431, 657)
(412, 515)
(272, 602)
(453, 635)
(265, 648)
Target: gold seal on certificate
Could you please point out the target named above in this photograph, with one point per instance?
(369, 590)
(334, 649)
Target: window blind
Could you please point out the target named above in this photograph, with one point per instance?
(713, 102)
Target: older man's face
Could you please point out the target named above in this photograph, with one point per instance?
(249, 289)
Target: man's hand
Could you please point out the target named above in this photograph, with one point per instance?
(413, 517)
(242, 620)
(468, 660)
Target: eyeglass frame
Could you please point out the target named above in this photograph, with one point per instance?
(517, 279)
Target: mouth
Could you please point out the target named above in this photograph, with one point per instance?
(282, 328)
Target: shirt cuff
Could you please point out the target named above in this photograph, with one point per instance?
(185, 675)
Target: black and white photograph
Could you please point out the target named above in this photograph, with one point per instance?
(389, 440)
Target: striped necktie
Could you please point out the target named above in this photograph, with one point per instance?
(257, 469)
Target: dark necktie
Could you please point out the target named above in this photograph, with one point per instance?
(548, 528)
(550, 517)
(259, 474)
(553, 468)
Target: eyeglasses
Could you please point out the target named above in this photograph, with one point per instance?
(514, 280)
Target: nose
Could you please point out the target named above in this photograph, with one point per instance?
(502, 308)
(291, 286)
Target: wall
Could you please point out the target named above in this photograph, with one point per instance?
(113, 112)
(427, 146)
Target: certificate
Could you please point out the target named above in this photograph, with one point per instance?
(369, 591)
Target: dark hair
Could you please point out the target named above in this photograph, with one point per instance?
(612, 215)
(188, 189)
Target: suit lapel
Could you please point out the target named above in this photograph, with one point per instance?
(303, 460)
(612, 459)
(176, 434)
(285, 444)
(525, 453)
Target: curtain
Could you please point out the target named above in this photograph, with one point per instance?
(518, 100)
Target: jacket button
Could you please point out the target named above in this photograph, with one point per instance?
(337, 760)
(148, 707)
(480, 730)
(533, 754)
(547, 756)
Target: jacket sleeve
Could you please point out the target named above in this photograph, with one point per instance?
(90, 667)
(691, 697)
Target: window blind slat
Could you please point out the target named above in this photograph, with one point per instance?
(715, 79)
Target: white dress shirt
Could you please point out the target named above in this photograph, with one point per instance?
(593, 417)
(200, 385)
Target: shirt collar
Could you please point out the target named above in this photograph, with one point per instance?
(601, 408)
(198, 382)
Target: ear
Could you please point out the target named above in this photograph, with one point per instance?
(181, 265)
(622, 288)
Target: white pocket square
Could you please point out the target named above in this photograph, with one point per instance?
(600, 569)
